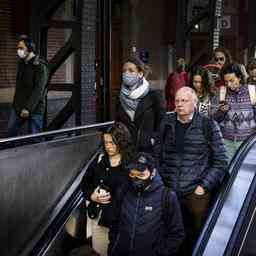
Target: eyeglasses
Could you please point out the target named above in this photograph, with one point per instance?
(220, 58)
(177, 101)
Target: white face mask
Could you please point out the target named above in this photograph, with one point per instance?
(21, 53)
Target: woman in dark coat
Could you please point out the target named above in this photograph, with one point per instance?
(139, 107)
(105, 175)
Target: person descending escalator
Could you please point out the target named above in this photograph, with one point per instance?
(105, 175)
(147, 218)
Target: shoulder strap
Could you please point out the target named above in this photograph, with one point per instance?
(207, 129)
(166, 205)
(164, 124)
(252, 93)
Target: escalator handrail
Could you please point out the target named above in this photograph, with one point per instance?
(56, 132)
(221, 198)
(58, 217)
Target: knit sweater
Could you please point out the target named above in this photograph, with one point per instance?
(239, 121)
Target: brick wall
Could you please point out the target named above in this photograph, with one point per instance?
(8, 42)
(7, 46)
(7, 62)
(56, 40)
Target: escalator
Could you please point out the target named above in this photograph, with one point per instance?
(230, 228)
(51, 197)
(40, 177)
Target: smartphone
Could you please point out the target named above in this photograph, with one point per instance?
(105, 188)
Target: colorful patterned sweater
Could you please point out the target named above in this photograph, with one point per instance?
(239, 121)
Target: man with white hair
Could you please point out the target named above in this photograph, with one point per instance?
(193, 161)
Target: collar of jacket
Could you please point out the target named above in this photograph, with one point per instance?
(34, 60)
(143, 105)
(172, 118)
(103, 160)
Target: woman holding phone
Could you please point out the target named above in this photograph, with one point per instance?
(105, 175)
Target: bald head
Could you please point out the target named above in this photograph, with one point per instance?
(185, 102)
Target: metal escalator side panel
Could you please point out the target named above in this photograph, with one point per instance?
(71, 201)
(33, 179)
(218, 230)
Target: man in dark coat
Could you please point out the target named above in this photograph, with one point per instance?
(30, 94)
(193, 160)
(143, 226)
(139, 107)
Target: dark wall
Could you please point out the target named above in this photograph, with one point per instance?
(21, 15)
(88, 75)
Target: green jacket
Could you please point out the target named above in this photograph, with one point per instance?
(31, 82)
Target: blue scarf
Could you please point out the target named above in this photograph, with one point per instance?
(130, 97)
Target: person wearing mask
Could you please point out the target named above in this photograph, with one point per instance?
(193, 162)
(234, 109)
(147, 218)
(223, 58)
(175, 80)
(30, 94)
(139, 107)
(103, 178)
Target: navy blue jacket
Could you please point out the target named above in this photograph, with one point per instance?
(139, 227)
(204, 161)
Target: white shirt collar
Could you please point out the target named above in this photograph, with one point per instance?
(189, 120)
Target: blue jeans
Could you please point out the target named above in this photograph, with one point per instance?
(35, 124)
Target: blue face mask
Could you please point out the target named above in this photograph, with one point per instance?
(130, 79)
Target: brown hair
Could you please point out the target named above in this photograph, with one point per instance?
(140, 65)
(122, 138)
(227, 54)
(251, 64)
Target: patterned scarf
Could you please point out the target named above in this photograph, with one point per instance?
(130, 97)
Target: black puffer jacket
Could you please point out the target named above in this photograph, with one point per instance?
(145, 125)
(204, 161)
(140, 228)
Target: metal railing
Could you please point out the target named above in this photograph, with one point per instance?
(40, 137)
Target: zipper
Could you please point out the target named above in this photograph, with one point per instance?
(138, 139)
(134, 224)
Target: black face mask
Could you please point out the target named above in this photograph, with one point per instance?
(140, 185)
